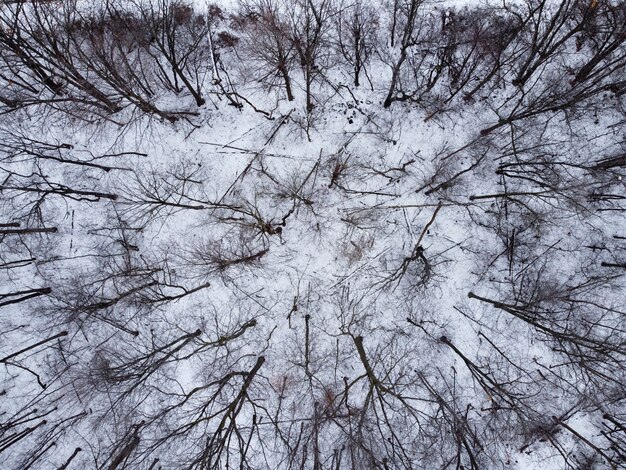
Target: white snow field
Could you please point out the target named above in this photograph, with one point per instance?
(312, 234)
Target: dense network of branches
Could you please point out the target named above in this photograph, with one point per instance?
(312, 234)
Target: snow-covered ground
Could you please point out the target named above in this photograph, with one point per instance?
(434, 284)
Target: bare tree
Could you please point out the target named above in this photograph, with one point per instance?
(267, 40)
(357, 28)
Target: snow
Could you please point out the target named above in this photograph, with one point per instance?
(356, 191)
